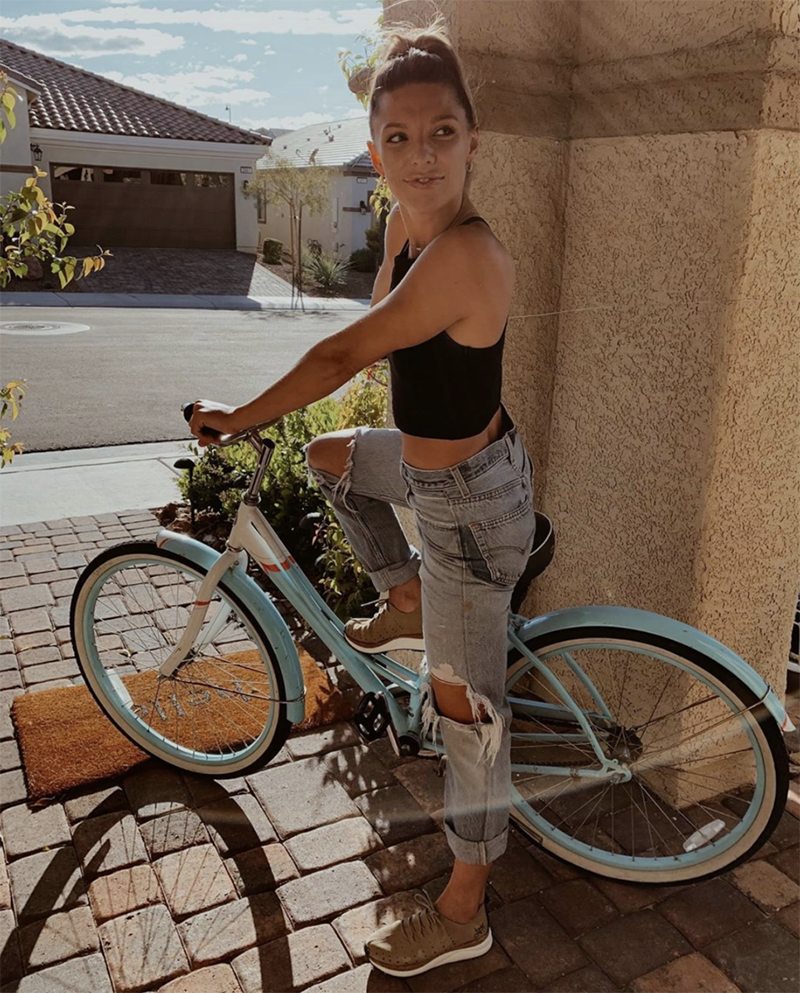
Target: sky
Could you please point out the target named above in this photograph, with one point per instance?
(272, 62)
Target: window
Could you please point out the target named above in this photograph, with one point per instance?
(262, 207)
(79, 174)
(122, 175)
(165, 177)
(212, 180)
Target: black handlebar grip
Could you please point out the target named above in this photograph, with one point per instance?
(188, 410)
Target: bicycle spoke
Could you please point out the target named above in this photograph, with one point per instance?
(680, 747)
(213, 706)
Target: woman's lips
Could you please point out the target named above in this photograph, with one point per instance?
(421, 185)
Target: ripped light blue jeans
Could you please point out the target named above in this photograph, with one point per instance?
(476, 524)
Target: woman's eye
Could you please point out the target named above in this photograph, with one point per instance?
(444, 127)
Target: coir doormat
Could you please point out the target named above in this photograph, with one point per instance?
(66, 740)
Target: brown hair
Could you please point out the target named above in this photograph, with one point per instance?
(419, 55)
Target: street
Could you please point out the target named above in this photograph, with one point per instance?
(124, 380)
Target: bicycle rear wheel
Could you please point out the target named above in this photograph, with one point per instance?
(220, 713)
(709, 772)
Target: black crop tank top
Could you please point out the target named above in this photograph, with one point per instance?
(441, 388)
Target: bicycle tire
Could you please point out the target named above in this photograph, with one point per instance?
(776, 759)
(91, 575)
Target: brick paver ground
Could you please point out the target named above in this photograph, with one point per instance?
(183, 270)
(177, 884)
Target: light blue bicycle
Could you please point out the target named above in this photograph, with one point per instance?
(642, 749)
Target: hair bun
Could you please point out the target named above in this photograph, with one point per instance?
(402, 47)
(402, 60)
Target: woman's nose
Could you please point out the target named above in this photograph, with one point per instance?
(424, 151)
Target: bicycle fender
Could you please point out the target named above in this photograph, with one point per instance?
(263, 609)
(645, 622)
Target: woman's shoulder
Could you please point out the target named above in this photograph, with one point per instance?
(472, 245)
(481, 246)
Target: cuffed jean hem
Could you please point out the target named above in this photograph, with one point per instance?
(395, 575)
(476, 852)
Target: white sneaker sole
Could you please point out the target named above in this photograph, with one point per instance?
(410, 644)
(457, 955)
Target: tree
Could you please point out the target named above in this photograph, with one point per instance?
(32, 229)
(299, 187)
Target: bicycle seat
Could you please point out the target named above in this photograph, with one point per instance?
(544, 548)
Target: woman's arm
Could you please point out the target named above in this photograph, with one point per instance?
(316, 375)
(394, 238)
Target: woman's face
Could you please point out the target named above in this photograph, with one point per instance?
(421, 131)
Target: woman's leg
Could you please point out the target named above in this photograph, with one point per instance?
(466, 622)
(474, 550)
(362, 496)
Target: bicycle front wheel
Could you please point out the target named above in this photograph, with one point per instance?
(220, 712)
(705, 771)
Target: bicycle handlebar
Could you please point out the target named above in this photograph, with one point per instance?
(229, 439)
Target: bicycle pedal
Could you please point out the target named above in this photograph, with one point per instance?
(372, 716)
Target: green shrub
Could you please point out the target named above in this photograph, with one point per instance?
(328, 271)
(362, 260)
(373, 239)
(272, 251)
(221, 475)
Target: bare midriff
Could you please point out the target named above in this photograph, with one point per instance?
(436, 453)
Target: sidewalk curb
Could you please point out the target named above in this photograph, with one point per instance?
(41, 486)
(167, 301)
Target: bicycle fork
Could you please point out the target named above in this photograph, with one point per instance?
(189, 640)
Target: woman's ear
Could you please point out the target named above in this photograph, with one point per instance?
(474, 141)
(376, 159)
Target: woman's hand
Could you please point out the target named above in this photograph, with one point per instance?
(217, 416)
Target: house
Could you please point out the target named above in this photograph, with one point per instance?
(139, 170)
(341, 147)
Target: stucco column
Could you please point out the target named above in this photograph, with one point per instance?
(674, 464)
(640, 160)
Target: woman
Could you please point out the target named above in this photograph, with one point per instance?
(439, 310)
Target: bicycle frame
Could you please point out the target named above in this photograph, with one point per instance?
(253, 535)
(382, 675)
(377, 673)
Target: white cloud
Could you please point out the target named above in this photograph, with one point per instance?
(48, 34)
(247, 41)
(248, 21)
(293, 122)
(299, 70)
(241, 57)
(323, 89)
(211, 85)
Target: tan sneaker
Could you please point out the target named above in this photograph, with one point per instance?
(427, 940)
(390, 629)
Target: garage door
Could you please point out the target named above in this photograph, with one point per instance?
(147, 208)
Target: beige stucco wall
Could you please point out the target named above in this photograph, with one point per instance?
(640, 160)
(748, 552)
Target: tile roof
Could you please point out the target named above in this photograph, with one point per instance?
(72, 99)
(337, 144)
